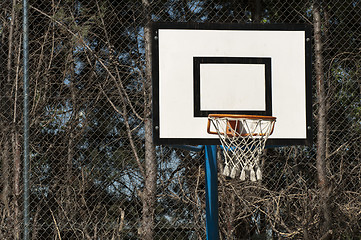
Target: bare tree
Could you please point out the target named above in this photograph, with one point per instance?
(10, 128)
(323, 181)
(150, 178)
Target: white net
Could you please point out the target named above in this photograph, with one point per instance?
(243, 139)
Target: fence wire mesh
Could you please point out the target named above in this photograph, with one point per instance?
(95, 173)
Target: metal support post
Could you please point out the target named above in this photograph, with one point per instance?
(211, 193)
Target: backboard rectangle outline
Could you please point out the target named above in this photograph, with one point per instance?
(197, 61)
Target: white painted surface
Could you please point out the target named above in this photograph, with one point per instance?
(176, 51)
(232, 87)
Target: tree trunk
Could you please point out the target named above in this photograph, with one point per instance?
(321, 131)
(256, 10)
(11, 89)
(149, 192)
(17, 173)
(5, 176)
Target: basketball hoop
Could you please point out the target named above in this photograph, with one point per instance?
(243, 138)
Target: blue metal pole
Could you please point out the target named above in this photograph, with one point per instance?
(211, 193)
(26, 120)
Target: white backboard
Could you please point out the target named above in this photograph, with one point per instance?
(200, 69)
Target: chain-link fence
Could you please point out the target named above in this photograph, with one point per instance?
(94, 172)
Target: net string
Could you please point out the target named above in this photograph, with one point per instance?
(243, 143)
